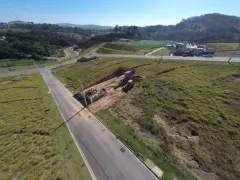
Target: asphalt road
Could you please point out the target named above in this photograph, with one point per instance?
(67, 54)
(27, 71)
(100, 147)
(221, 59)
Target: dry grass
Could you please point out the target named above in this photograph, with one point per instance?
(224, 49)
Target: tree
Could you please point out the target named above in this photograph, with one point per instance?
(116, 28)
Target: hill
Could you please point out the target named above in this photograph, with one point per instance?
(33, 44)
(205, 28)
(87, 26)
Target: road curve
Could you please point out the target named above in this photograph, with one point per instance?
(67, 54)
(100, 147)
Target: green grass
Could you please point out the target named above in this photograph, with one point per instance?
(17, 62)
(27, 149)
(117, 48)
(146, 44)
(59, 53)
(198, 99)
(224, 49)
(131, 138)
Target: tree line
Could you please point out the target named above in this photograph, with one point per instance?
(205, 28)
(33, 44)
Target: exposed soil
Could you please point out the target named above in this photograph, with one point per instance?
(5, 82)
(112, 95)
(183, 144)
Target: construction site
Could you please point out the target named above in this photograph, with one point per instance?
(190, 49)
(106, 89)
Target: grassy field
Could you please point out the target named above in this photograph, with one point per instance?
(185, 112)
(146, 44)
(27, 149)
(224, 49)
(117, 48)
(16, 62)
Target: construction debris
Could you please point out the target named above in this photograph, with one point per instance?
(107, 89)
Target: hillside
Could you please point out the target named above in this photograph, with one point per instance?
(184, 115)
(204, 28)
(33, 44)
(44, 26)
(86, 26)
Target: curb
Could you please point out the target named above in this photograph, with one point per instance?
(127, 148)
(120, 141)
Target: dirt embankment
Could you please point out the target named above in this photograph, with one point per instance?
(183, 140)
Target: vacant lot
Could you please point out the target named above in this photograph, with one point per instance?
(184, 115)
(146, 44)
(117, 48)
(224, 49)
(28, 150)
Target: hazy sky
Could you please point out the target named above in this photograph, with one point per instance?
(112, 12)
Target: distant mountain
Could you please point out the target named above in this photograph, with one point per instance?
(88, 26)
(19, 22)
(205, 28)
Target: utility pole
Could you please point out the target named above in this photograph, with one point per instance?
(161, 56)
(162, 53)
(83, 93)
(233, 54)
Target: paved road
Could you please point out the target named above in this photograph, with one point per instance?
(100, 147)
(223, 59)
(27, 71)
(67, 54)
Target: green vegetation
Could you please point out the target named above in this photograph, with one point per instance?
(146, 44)
(198, 102)
(43, 26)
(27, 149)
(205, 28)
(117, 48)
(24, 62)
(33, 44)
(224, 49)
(132, 139)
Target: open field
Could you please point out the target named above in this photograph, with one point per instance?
(146, 44)
(117, 48)
(184, 115)
(224, 49)
(27, 149)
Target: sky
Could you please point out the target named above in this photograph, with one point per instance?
(112, 12)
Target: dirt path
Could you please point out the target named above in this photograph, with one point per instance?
(154, 51)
